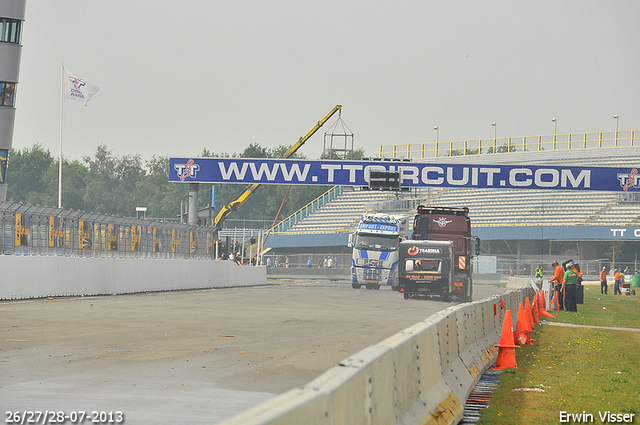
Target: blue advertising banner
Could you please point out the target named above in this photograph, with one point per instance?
(413, 174)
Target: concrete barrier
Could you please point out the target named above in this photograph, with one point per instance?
(422, 375)
(308, 273)
(486, 278)
(37, 277)
(518, 282)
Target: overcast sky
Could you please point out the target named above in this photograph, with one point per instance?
(179, 76)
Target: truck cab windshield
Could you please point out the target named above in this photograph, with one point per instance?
(377, 242)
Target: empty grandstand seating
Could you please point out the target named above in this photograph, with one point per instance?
(487, 207)
(491, 207)
(499, 207)
(342, 213)
(617, 214)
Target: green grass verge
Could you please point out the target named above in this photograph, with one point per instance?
(581, 370)
(604, 310)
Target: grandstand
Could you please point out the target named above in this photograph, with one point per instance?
(497, 214)
(495, 207)
(342, 214)
(488, 207)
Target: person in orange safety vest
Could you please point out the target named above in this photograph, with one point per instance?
(558, 280)
(603, 281)
(616, 282)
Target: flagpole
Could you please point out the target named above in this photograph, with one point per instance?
(61, 122)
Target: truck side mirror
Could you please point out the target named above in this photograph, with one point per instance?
(477, 247)
(350, 243)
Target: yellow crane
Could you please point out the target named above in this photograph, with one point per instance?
(246, 194)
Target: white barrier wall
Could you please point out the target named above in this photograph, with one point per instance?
(36, 277)
(421, 375)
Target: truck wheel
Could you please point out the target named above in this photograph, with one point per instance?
(406, 296)
(376, 287)
(356, 285)
(369, 286)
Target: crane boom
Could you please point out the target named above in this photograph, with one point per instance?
(248, 191)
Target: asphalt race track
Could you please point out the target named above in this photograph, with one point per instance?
(193, 356)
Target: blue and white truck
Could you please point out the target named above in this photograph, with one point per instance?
(374, 261)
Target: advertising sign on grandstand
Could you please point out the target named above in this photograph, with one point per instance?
(157, 239)
(412, 174)
(112, 237)
(23, 230)
(85, 234)
(56, 232)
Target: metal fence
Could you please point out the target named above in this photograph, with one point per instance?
(300, 260)
(503, 265)
(34, 230)
(525, 267)
(307, 209)
(550, 142)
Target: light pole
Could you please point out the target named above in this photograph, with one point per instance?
(617, 118)
(495, 132)
(555, 131)
(437, 133)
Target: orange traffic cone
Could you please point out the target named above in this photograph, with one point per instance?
(545, 313)
(527, 312)
(522, 334)
(534, 310)
(554, 301)
(542, 312)
(542, 298)
(507, 352)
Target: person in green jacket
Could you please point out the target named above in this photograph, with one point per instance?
(570, 284)
(538, 274)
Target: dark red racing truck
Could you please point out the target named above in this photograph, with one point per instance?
(437, 260)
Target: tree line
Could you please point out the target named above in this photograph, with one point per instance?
(108, 184)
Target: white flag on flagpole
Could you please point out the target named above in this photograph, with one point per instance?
(77, 88)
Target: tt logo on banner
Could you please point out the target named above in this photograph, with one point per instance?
(187, 170)
(629, 180)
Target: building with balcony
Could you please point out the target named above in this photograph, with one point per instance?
(11, 22)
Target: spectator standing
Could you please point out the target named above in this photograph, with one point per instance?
(603, 281)
(268, 261)
(324, 263)
(616, 282)
(335, 262)
(538, 274)
(330, 262)
(286, 262)
(309, 262)
(570, 282)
